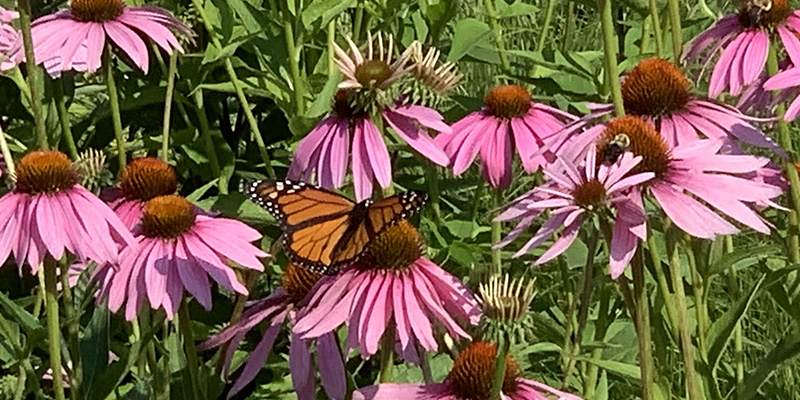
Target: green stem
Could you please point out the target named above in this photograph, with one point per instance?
(569, 28)
(34, 73)
(425, 365)
(73, 327)
(663, 284)
(659, 38)
(738, 350)
(677, 32)
(331, 52)
(643, 334)
(432, 177)
(497, 30)
(237, 86)
(358, 21)
(548, 19)
(387, 355)
(698, 292)
(185, 326)
(644, 44)
(294, 60)
(585, 287)
(590, 383)
(63, 117)
(173, 66)
(692, 384)
(7, 157)
(503, 344)
(785, 140)
(53, 326)
(610, 56)
(19, 391)
(116, 117)
(497, 234)
(205, 131)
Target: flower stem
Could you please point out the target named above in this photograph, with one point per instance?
(63, 117)
(733, 288)
(610, 57)
(173, 66)
(497, 233)
(185, 325)
(34, 74)
(116, 117)
(53, 326)
(663, 284)
(387, 355)
(73, 327)
(642, 305)
(294, 60)
(7, 157)
(785, 140)
(585, 286)
(205, 131)
(677, 32)
(500, 365)
(692, 384)
(659, 39)
(497, 30)
(432, 177)
(237, 86)
(590, 383)
(331, 52)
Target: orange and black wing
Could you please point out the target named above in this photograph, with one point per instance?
(313, 219)
(370, 219)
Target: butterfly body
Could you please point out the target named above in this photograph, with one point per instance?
(323, 230)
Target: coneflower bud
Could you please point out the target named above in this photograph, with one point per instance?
(505, 303)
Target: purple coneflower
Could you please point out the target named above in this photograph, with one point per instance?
(692, 168)
(11, 53)
(78, 35)
(658, 92)
(180, 247)
(744, 40)
(143, 179)
(510, 119)
(572, 194)
(349, 131)
(392, 284)
(278, 308)
(788, 82)
(49, 213)
(470, 378)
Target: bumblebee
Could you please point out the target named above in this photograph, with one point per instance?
(753, 11)
(615, 147)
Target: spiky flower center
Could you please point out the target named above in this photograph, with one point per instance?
(473, 373)
(508, 101)
(167, 217)
(766, 14)
(96, 10)
(297, 282)
(590, 194)
(505, 301)
(395, 248)
(147, 177)
(655, 87)
(45, 172)
(372, 73)
(643, 141)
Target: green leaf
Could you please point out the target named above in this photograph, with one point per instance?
(469, 34)
(615, 367)
(787, 348)
(516, 9)
(94, 347)
(29, 324)
(719, 335)
(751, 254)
(325, 9)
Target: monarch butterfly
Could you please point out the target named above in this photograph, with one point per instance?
(322, 230)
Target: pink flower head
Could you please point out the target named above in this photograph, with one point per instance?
(573, 193)
(89, 23)
(691, 172)
(179, 248)
(326, 149)
(743, 41)
(392, 284)
(143, 179)
(282, 307)
(470, 378)
(11, 53)
(511, 119)
(658, 92)
(48, 212)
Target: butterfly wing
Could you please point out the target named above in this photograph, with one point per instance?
(313, 219)
(374, 218)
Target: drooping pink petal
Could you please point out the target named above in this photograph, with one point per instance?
(300, 369)
(416, 137)
(689, 214)
(331, 366)
(257, 358)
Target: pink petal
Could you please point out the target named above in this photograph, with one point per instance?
(300, 368)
